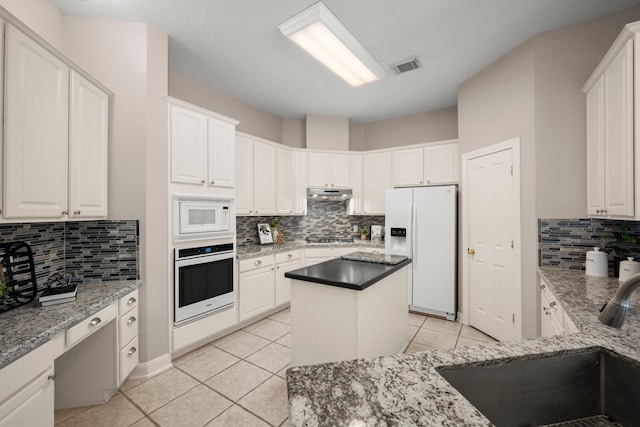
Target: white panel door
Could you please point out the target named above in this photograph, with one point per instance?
(618, 134)
(356, 202)
(376, 174)
(88, 149)
(188, 146)
(264, 178)
(284, 181)
(490, 192)
(595, 148)
(300, 183)
(340, 171)
(441, 164)
(244, 175)
(36, 130)
(408, 167)
(318, 169)
(221, 154)
(283, 284)
(256, 292)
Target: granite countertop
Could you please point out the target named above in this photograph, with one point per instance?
(356, 275)
(377, 258)
(26, 328)
(253, 251)
(406, 389)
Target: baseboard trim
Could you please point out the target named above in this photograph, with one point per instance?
(153, 367)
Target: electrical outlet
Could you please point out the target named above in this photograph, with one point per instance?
(355, 228)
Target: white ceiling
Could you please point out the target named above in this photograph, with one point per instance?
(235, 46)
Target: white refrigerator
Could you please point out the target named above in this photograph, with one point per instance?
(421, 223)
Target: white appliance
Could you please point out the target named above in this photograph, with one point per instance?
(421, 223)
(196, 218)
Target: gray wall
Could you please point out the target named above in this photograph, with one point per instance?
(431, 126)
(252, 119)
(534, 92)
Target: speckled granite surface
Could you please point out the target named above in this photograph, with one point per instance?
(407, 390)
(30, 326)
(253, 251)
(375, 258)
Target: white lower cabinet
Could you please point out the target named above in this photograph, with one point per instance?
(553, 319)
(127, 335)
(256, 286)
(27, 392)
(285, 262)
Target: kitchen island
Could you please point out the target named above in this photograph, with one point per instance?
(349, 308)
(406, 389)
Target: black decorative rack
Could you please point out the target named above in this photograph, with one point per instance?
(18, 275)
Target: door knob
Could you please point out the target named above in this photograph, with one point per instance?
(471, 251)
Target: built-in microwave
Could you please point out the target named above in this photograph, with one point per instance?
(196, 218)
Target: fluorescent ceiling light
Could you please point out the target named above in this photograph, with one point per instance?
(320, 33)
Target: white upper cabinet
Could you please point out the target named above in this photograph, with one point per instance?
(88, 149)
(202, 146)
(300, 183)
(408, 167)
(36, 144)
(188, 145)
(441, 164)
(221, 150)
(264, 178)
(329, 170)
(356, 206)
(430, 165)
(244, 176)
(284, 181)
(612, 180)
(376, 178)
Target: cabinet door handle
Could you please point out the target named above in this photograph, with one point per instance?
(543, 287)
(52, 377)
(131, 300)
(258, 262)
(94, 322)
(289, 255)
(65, 212)
(202, 182)
(76, 212)
(546, 311)
(553, 305)
(131, 320)
(131, 351)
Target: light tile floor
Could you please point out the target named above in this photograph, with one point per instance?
(238, 380)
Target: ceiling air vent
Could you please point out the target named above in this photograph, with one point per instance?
(406, 65)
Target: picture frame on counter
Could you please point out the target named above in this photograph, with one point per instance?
(264, 232)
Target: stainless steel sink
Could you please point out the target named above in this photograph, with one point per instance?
(591, 384)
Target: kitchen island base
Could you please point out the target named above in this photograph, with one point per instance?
(331, 323)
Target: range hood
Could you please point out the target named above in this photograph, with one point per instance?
(328, 194)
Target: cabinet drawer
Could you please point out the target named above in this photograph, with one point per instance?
(128, 327)
(128, 302)
(128, 358)
(287, 256)
(319, 252)
(90, 325)
(255, 263)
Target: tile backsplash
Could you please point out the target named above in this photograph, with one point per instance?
(95, 249)
(565, 242)
(322, 219)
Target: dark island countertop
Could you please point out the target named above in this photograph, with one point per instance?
(356, 275)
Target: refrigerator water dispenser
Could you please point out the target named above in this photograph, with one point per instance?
(398, 239)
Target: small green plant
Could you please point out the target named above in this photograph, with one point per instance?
(364, 231)
(620, 242)
(274, 224)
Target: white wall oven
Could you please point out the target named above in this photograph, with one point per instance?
(197, 218)
(203, 282)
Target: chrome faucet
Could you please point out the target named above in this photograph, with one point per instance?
(615, 311)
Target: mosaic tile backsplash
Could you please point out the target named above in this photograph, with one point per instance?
(565, 242)
(95, 249)
(323, 219)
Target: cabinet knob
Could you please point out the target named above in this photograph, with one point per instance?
(258, 262)
(553, 304)
(131, 300)
(289, 255)
(256, 211)
(131, 351)
(65, 212)
(52, 377)
(212, 182)
(420, 181)
(94, 322)
(76, 212)
(202, 182)
(546, 311)
(131, 320)
(543, 287)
